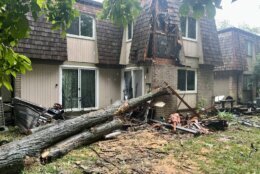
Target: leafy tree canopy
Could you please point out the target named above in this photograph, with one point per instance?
(122, 11)
(14, 26)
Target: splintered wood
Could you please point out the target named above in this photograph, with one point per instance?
(132, 152)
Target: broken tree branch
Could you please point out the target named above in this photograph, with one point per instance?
(84, 138)
(12, 154)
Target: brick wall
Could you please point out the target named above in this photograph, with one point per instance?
(205, 84)
(168, 73)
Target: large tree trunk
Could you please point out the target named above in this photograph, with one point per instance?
(84, 138)
(12, 155)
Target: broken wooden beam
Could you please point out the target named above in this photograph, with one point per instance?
(195, 132)
(181, 99)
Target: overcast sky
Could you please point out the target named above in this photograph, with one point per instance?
(239, 12)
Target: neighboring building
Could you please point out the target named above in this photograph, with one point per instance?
(99, 63)
(239, 49)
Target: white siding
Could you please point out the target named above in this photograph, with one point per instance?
(40, 86)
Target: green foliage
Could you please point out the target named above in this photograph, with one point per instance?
(200, 8)
(225, 116)
(120, 12)
(14, 26)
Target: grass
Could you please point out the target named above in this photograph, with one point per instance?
(225, 152)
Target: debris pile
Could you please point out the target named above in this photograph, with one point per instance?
(30, 116)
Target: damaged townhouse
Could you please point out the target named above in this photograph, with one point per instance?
(235, 77)
(99, 63)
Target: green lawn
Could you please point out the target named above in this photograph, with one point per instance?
(222, 152)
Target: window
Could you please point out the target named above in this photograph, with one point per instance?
(189, 27)
(130, 31)
(82, 26)
(249, 48)
(133, 83)
(78, 88)
(186, 80)
(247, 82)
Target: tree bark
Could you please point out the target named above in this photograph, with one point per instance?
(12, 155)
(84, 138)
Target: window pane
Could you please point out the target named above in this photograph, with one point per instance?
(192, 28)
(249, 48)
(183, 26)
(88, 97)
(86, 24)
(181, 80)
(70, 88)
(130, 32)
(128, 91)
(190, 80)
(74, 27)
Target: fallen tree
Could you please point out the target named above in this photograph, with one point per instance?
(12, 155)
(84, 138)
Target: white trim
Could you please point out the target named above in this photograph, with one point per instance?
(187, 31)
(132, 28)
(85, 37)
(79, 68)
(131, 69)
(196, 79)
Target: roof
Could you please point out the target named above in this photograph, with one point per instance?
(210, 42)
(143, 29)
(238, 30)
(233, 44)
(90, 2)
(43, 43)
(109, 42)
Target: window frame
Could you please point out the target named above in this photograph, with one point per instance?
(248, 42)
(186, 82)
(79, 68)
(132, 29)
(187, 29)
(132, 69)
(85, 37)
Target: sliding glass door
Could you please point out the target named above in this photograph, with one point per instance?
(78, 89)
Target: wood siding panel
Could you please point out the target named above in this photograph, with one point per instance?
(40, 86)
(81, 50)
(109, 86)
(191, 48)
(191, 99)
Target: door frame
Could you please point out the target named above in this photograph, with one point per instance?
(79, 82)
(132, 74)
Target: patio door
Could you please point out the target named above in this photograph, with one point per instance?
(132, 83)
(78, 89)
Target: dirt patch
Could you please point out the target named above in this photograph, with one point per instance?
(136, 152)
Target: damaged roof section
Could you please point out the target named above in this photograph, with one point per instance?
(44, 43)
(155, 31)
(233, 43)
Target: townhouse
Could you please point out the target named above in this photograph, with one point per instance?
(98, 63)
(235, 77)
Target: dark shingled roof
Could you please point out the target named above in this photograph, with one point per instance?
(43, 42)
(141, 34)
(234, 49)
(143, 28)
(109, 42)
(210, 42)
